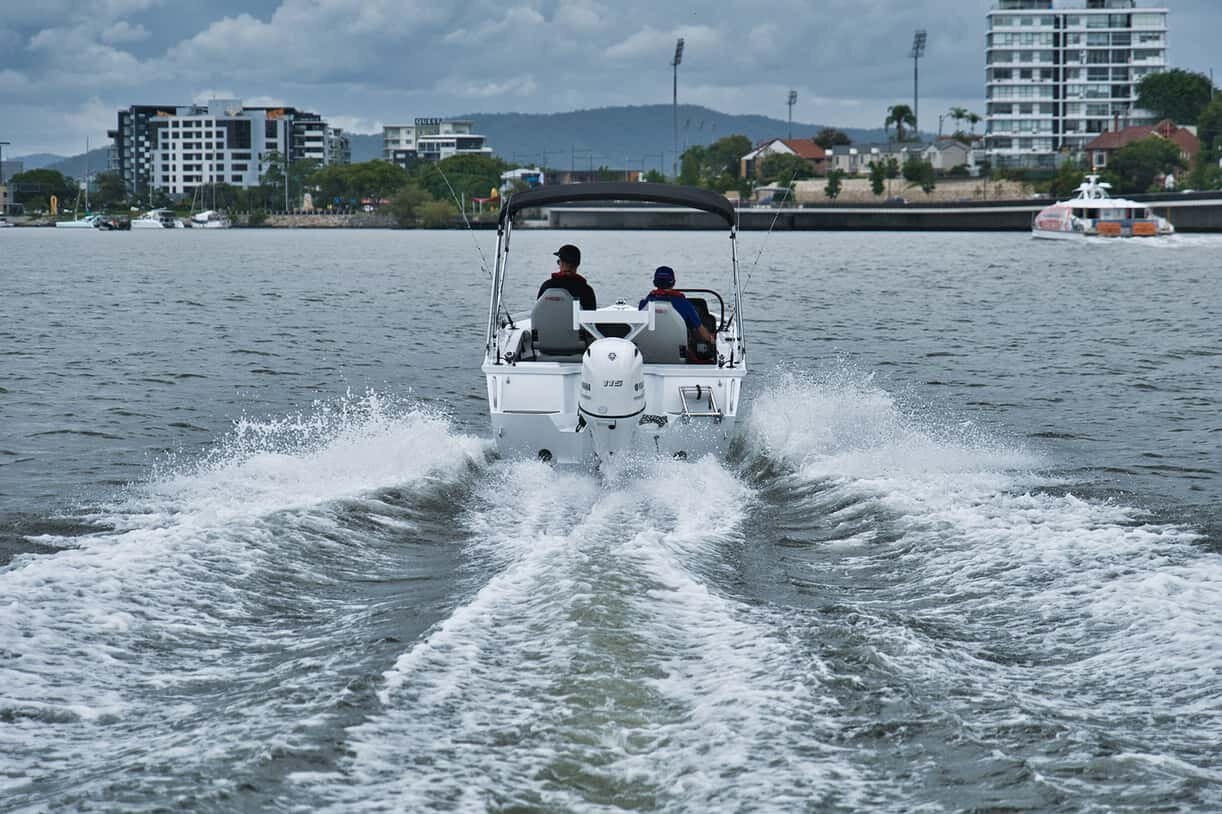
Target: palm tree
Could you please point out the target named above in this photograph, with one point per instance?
(974, 119)
(958, 114)
(899, 115)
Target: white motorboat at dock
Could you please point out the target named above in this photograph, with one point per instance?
(1094, 214)
(595, 386)
(158, 219)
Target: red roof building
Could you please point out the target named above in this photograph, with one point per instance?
(1102, 148)
(802, 148)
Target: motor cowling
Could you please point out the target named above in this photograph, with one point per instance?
(612, 394)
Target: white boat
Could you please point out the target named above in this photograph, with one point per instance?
(1094, 214)
(4, 224)
(210, 219)
(157, 219)
(85, 222)
(631, 384)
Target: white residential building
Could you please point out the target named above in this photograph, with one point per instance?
(176, 149)
(1060, 72)
(430, 140)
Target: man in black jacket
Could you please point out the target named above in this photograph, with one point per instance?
(568, 258)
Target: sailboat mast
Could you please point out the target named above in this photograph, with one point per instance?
(86, 173)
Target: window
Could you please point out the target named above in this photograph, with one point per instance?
(1149, 21)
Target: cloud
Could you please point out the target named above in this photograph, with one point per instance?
(651, 42)
(123, 31)
(520, 20)
(523, 85)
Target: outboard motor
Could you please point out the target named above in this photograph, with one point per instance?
(612, 395)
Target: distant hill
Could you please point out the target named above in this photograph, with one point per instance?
(73, 167)
(36, 161)
(617, 137)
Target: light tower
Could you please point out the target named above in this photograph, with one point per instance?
(674, 63)
(793, 99)
(918, 51)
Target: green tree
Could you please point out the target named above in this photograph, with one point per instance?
(974, 119)
(891, 171)
(655, 177)
(1069, 177)
(406, 204)
(958, 114)
(920, 173)
(470, 175)
(878, 177)
(34, 189)
(1205, 176)
(834, 182)
(830, 137)
(1209, 131)
(784, 168)
(110, 190)
(901, 116)
(716, 165)
(1176, 94)
(1133, 168)
(434, 214)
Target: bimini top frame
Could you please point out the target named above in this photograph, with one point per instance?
(692, 197)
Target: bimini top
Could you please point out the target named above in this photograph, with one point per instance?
(693, 197)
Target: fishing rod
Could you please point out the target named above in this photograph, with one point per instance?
(764, 243)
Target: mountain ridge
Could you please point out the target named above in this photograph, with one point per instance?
(623, 137)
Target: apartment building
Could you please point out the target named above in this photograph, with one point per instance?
(1060, 72)
(430, 140)
(177, 148)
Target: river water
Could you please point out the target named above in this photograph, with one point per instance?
(257, 553)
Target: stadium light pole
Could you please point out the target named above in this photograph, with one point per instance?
(918, 51)
(674, 105)
(793, 98)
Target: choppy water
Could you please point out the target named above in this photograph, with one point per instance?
(259, 555)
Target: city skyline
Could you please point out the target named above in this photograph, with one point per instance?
(68, 66)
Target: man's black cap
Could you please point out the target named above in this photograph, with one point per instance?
(569, 254)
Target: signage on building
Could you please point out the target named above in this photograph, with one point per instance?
(427, 122)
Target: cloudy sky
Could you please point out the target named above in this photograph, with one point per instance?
(66, 66)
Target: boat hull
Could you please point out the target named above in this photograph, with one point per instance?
(535, 413)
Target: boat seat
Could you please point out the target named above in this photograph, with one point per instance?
(666, 344)
(551, 328)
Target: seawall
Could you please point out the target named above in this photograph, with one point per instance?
(1194, 212)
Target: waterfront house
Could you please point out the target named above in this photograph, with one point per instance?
(815, 155)
(946, 153)
(1102, 148)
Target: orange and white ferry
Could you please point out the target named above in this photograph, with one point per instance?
(1094, 214)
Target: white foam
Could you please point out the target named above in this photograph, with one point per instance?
(112, 633)
(597, 668)
(1014, 593)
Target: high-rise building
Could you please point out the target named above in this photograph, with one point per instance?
(176, 149)
(430, 140)
(1060, 72)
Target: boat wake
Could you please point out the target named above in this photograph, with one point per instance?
(212, 626)
(870, 606)
(601, 666)
(1001, 616)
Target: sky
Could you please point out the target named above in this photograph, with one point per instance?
(68, 66)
